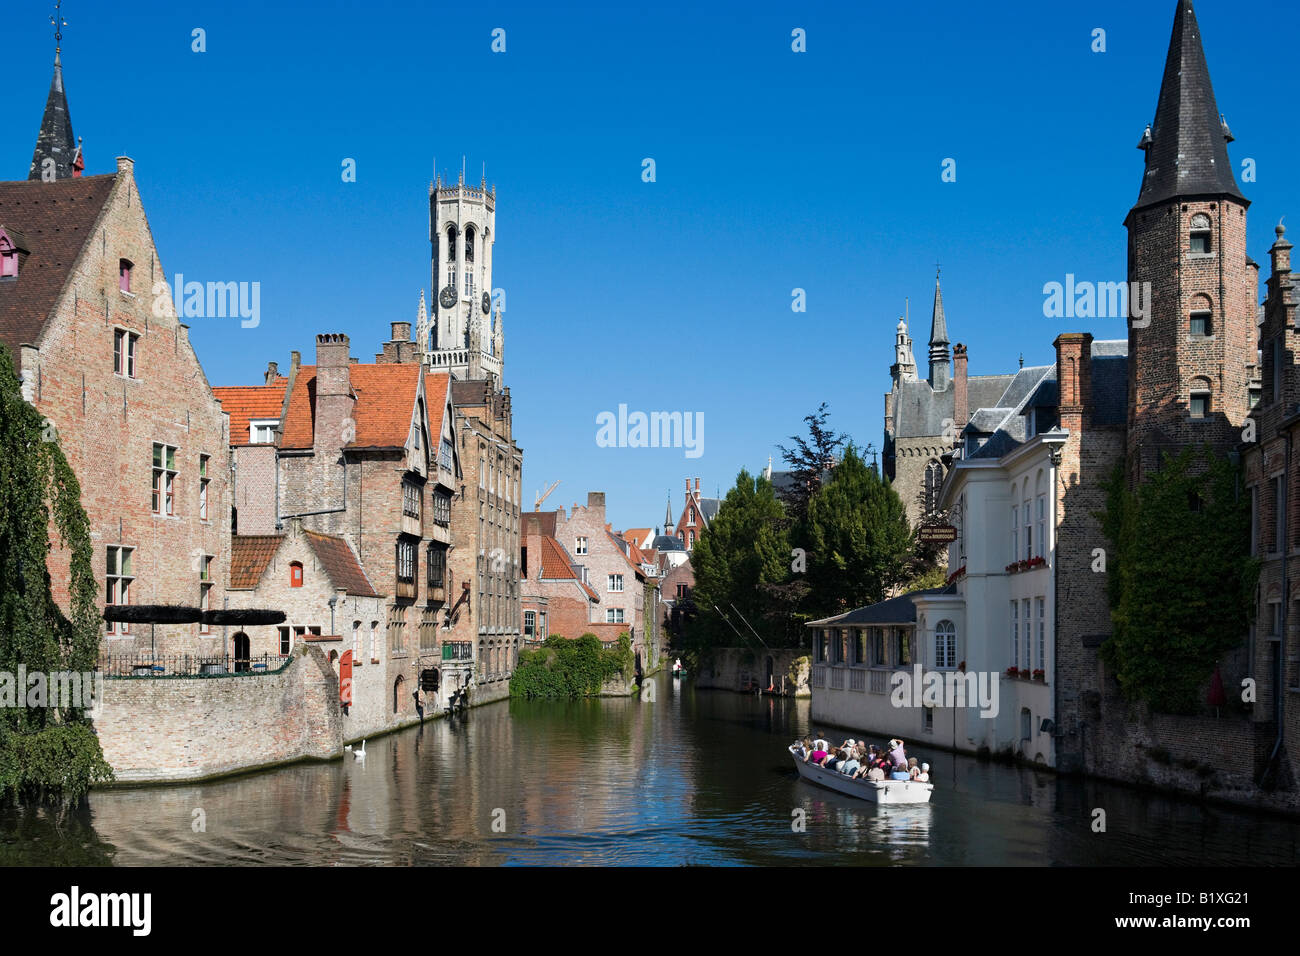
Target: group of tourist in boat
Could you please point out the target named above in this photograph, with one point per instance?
(857, 759)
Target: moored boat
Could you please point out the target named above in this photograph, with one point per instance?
(884, 791)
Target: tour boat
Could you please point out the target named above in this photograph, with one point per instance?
(885, 791)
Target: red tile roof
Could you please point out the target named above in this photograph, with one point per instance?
(435, 400)
(556, 566)
(250, 555)
(247, 402)
(385, 397)
(340, 564)
(55, 219)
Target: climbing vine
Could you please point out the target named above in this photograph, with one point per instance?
(48, 754)
(562, 668)
(1181, 579)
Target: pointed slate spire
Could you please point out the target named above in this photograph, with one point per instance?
(668, 515)
(1187, 143)
(55, 140)
(938, 340)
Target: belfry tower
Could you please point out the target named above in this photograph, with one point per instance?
(1192, 347)
(465, 335)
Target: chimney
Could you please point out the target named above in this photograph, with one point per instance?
(697, 487)
(596, 499)
(1074, 378)
(960, 402)
(1281, 251)
(401, 331)
(272, 372)
(125, 164)
(335, 425)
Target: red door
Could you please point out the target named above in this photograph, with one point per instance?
(345, 678)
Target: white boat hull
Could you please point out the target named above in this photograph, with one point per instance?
(887, 791)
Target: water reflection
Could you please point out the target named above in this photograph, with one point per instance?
(692, 778)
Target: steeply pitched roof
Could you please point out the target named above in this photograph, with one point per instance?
(938, 322)
(247, 402)
(435, 400)
(1187, 151)
(340, 563)
(54, 141)
(557, 566)
(55, 219)
(250, 555)
(385, 396)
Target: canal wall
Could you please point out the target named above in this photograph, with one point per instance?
(733, 668)
(161, 729)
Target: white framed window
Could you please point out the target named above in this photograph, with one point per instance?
(1200, 241)
(356, 640)
(410, 499)
(614, 615)
(1029, 527)
(118, 578)
(1042, 526)
(261, 431)
(1042, 634)
(163, 499)
(615, 582)
(580, 545)
(1015, 633)
(125, 344)
(1200, 404)
(203, 487)
(1015, 532)
(374, 642)
(945, 645)
(530, 625)
(1026, 632)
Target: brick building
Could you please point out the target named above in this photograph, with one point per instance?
(695, 516)
(89, 323)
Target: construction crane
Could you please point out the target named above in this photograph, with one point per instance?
(537, 503)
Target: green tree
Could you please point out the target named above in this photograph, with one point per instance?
(859, 540)
(1181, 578)
(744, 549)
(808, 460)
(47, 754)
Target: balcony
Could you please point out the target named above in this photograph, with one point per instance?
(458, 651)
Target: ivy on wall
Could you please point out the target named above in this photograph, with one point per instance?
(1181, 578)
(48, 754)
(562, 668)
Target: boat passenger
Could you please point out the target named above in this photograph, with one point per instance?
(851, 765)
(817, 756)
(820, 742)
(924, 775)
(897, 753)
(913, 771)
(876, 774)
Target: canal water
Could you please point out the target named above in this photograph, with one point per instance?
(694, 777)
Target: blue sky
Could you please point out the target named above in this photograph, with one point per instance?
(775, 170)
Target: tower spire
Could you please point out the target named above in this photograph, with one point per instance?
(56, 148)
(1186, 144)
(938, 339)
(668, 514)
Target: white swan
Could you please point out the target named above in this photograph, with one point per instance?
(360, 754)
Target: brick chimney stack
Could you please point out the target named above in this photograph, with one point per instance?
(272, 372)
(960, 401)
(1073, 374)
(697, 487)
(335, 422)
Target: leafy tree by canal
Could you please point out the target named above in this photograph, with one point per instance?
(563, 668)
(1180, 575)
(48, 754)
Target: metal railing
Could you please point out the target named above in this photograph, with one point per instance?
(857, 680)
(458, 651)
(878, 681)
(818, 675)
(837, 678)
(188, 665)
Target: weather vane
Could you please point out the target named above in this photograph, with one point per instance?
(58, 22)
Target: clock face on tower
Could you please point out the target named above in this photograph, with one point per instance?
(487, 303)
(447, 297)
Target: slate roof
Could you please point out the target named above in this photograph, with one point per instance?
(55, 219)
(1187, 153)
(920, 411)
(55, 140)
(385, 403)
(667, 542)
(250, 555)
(938, 323)
(340, 563)
(709, 508)
(247, 402)
(896, 610)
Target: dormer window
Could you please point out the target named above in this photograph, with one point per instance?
(124, 267)
(1201, 244)
(261, 431)
(8, 257)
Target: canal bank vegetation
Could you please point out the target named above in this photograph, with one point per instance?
(1180, 577)
(49, 754)
(564, 669)
(834, 539)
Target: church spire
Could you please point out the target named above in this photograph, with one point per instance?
(938, 340)
(1186, 144)
(56, 149)
(668, 515)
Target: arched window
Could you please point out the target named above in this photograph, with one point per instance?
(469, 244)
(451, 245)
(295, 574)
(1201, 242)
(124, 267)
(242, 652)
(933, 484)
(945, 644)
(399, 688)
(1201, 316)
